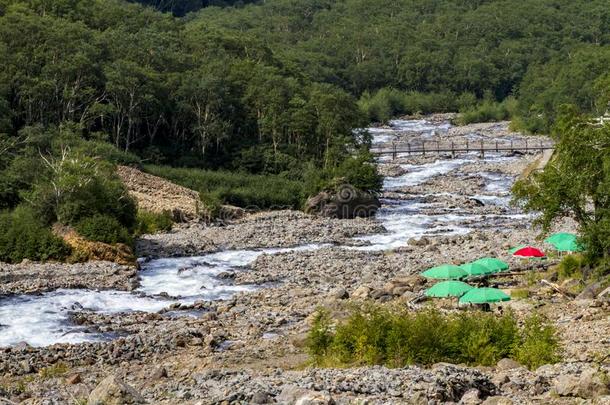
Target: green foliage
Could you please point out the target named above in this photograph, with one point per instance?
(388, 103)
(394, 337)
(575, 183)
(152, 222)
(103, 228)
(488, 111)
(539, 344)
(22, 236)
(571, 266)
(240, 189)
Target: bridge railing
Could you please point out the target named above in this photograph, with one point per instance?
(453, 148)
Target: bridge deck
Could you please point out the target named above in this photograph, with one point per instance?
(456, 148)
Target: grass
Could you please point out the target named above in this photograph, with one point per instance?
(56, 370)
(235, 188)
(520, 293)
(395, 337)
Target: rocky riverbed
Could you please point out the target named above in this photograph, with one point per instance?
(272, 270)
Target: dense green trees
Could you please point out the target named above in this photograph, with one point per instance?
(275, 87)
(576, 182)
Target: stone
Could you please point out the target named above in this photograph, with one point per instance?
(566, 385)
(593, 383)
(423, 241)
(345, 202)
(290, 394)
(159, 373)
(497, 400)
(508, 364)
(315, 398)
(26, 367)
(362, 292)
(113, 391)
(471, 397)
(260, 397)
(340, 293)
(591, 291)
(73, 379)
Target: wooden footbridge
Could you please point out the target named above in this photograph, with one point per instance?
(455, 148)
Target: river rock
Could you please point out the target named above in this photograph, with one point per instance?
(346, 202)
(566, 385)
(362, 292)
(498, 400)
(113, 391)
(590, 291)
(593, 383)
(508, 364)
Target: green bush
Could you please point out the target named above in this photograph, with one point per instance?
(394, 337)
(240, 189)
(80, 187)
(23, 236)
(571, 266)
(388, 103)
(103, 228)
(538, 345)
(152, 222)
(488, 111)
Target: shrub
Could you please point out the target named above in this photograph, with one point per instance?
(539, 344)
(240, 189)
(394, 337)
(388, 103)
(103, 228)
(488, 111)
(77, 187)
(23, 236)
(571, 266)
(152, 222)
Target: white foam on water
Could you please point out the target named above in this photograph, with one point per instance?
(197, 277)
(422, 126)
(417, 174)
(44, 320)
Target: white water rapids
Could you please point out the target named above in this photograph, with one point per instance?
(44, 319)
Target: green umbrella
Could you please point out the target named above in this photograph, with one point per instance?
(483, 296)
(561, 237)
(445, 271)
(449, 288)
(493, 263)
(476, 269)
(568, 246)
(514, 249)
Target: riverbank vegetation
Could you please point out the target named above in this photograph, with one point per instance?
(271, 92)
(575, 183)
(373, 334)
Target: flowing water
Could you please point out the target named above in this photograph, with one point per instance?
(45, 319)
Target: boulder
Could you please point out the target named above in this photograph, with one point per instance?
(315, 398)
(593, 383)
(363, 292)
(113, 391)
(471, 397)
(566, 385)
(346, 202)
(590, 291)
(508, 364)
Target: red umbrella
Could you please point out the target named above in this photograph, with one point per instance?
(529, 251)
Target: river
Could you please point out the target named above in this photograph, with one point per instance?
(44, 319)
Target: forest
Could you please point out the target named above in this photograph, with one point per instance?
(276, 88)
